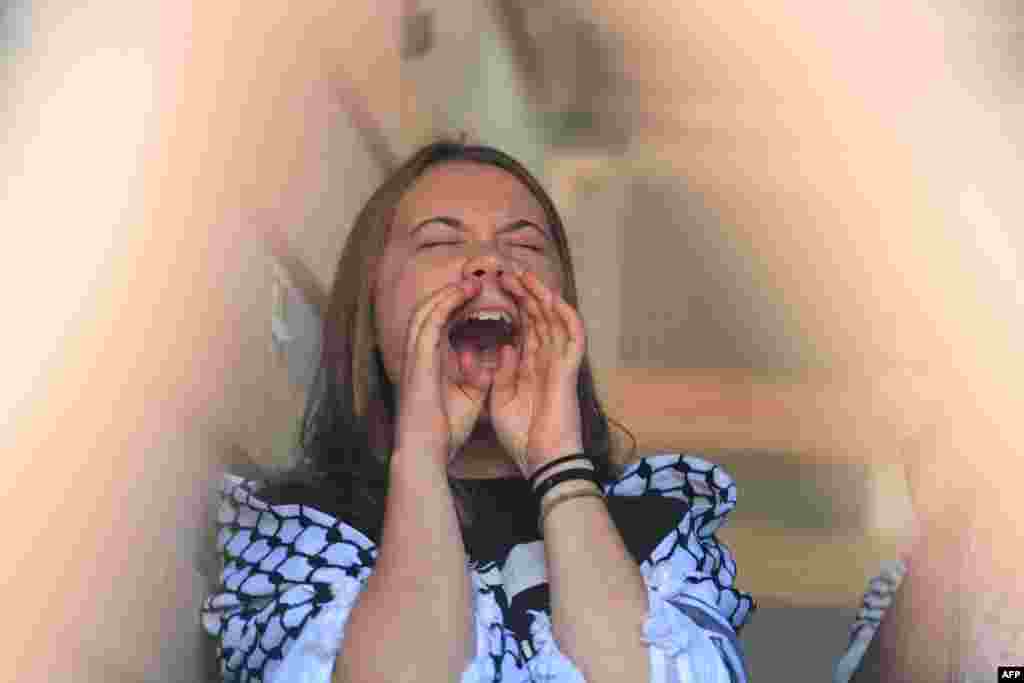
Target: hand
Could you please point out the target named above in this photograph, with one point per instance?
(438, 401)
(533, 404)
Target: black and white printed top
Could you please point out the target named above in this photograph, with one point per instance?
(292, 574)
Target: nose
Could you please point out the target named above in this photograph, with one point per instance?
(488, 265)
(482, 272)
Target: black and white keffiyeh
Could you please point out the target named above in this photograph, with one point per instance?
(292, 574)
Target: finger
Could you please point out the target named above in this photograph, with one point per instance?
(512, 281)
(439, 307)
(530, 304)
(532, 334)
(543, 293)
(576, 334)
(545, 305)
(430, 318)
(532, 344)
(451, 366)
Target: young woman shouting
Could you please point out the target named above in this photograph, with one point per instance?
(461, 513)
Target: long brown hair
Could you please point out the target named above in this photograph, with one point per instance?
(347, 433)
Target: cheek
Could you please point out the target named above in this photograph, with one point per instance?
(390, 323)
(399, 298)
(393, 316)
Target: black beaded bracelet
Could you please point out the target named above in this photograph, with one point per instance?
(559, 461)
(566, 475)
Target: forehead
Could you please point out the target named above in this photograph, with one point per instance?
(469, 189)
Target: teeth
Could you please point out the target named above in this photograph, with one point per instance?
(491, 315)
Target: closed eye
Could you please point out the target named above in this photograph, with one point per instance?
(429, 245)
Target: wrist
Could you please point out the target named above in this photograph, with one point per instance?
(541, 455)
(569, 487)
(420, 462)
(541, 458)
(579, 463)
(566, 485)
(556, 499)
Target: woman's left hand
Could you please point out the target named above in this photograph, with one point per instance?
(534, 405)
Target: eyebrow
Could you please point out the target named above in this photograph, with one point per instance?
(460, 226)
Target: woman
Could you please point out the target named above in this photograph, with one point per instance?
(459, 426)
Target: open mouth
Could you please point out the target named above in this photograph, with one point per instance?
(483, 332)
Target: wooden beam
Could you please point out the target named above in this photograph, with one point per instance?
(833, 570)
(821, 414)
(312, 289)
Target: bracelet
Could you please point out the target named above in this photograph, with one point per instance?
(561, 499)
(563, 476)
(558, 461)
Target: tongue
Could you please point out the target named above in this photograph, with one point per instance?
(487, 354)
(479, 335)
(488, 357)
(482, 338)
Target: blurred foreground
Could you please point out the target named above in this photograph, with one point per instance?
(797, 231)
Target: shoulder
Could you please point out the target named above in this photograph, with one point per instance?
(657, 498)
(676, 543)
(289, 515)
(699, 483)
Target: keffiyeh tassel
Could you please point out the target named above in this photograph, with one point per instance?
(680, 649)
(877, 599)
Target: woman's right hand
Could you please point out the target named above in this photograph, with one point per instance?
(438, 404)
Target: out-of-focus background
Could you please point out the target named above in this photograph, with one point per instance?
(796, 229)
